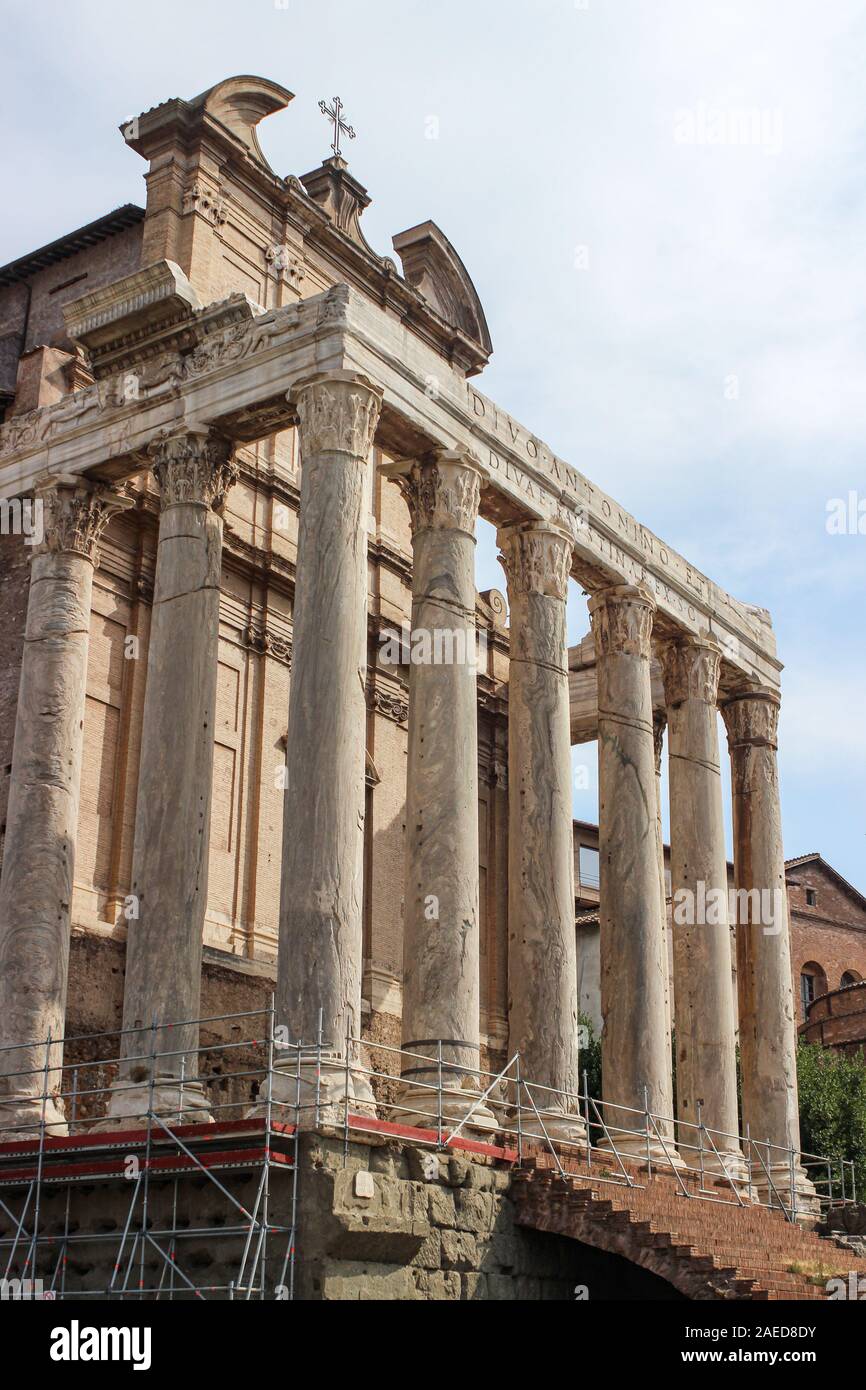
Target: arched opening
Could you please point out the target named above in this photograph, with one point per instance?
(813, 982)
(850, 977)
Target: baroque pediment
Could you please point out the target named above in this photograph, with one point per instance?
(433, 268)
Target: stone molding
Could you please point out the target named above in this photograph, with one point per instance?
(75, 517)
(752, 719)
(690, 670)
(195, 469)
(443, 494)
(622, 620)
(337, 413)
(537, 559)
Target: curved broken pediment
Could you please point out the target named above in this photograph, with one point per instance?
(433, 267)
(239, 103)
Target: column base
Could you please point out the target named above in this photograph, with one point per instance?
(728, 1163)
(313, 1093)
(21, 1118)
(130, 1101)
(635, 1148)
(416, 1106)
(559, 1125)
(806, 1203)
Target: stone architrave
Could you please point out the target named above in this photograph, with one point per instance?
(703, 989)
(441, 981)
(768, 1030)
(318, 997)
(635, 1045)
(162, 986)
(542, 947)
(42, 819)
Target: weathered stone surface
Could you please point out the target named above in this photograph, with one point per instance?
(703, 992)
(172, 828)
(320, 942)
(542, 966)
(440, 927)
(768, 1037)
(42, 814)
(635, 1049)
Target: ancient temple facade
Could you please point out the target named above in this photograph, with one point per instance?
(263, 733)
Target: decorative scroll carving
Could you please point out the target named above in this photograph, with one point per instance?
(690, 670)
(268, 643)
(443, 495)
(537, 560)
(752, 719)
(389, 704)
(76, 516)
(622, 620)
(196, 468)
(338, 414)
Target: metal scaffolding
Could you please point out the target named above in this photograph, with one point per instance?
(167, 1213)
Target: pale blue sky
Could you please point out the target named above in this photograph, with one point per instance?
(684, 321)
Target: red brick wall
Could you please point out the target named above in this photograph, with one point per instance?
(831, 934)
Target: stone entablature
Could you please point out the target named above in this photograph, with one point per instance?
(237, 379)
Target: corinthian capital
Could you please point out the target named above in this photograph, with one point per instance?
(622, 620)
(537, 559)
(75, 512)
(690, 670)
(752, 718)
(443, 493)
(193, 468)
(337, 413)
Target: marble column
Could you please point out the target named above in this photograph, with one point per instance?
(767, 1021)
(321, 926)
(542, 947)
(172, 821)
(635, 1045)
(42, 818)
(660, 723)
(703, 991)
(441, 983)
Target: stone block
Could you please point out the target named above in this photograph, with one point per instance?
(441, 1207)
(475, 1211)
(459, 1251)
(444, 1285)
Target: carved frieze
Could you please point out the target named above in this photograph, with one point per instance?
(192, 468)
(338, 414)
(266, 642)
(210, 203)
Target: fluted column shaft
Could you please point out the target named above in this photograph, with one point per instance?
(703, 992)
(441, 985)
(321, 927)
(635, 1049)
(767, 1022)
(172, 820)
(542, 947)
(42, 819)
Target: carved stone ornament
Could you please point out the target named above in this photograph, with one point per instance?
(75, 516)
(209, 202)
(389, 704)
(192, 468)
(752, 719)
(443, 495)
(269, 643)
(283, 261)
(537, 560)
(690, 670)
(622, 620)
(337, 414)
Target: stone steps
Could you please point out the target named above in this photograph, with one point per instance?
(706, 1248)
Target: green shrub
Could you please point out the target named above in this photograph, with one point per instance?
(833, 1106)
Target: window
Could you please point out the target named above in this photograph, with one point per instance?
(813, 982)
(811, 897)
(588, 866)
(850, 978)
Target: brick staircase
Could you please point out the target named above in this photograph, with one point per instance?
(705, 1249)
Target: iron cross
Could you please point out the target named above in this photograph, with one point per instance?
(340, 126)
